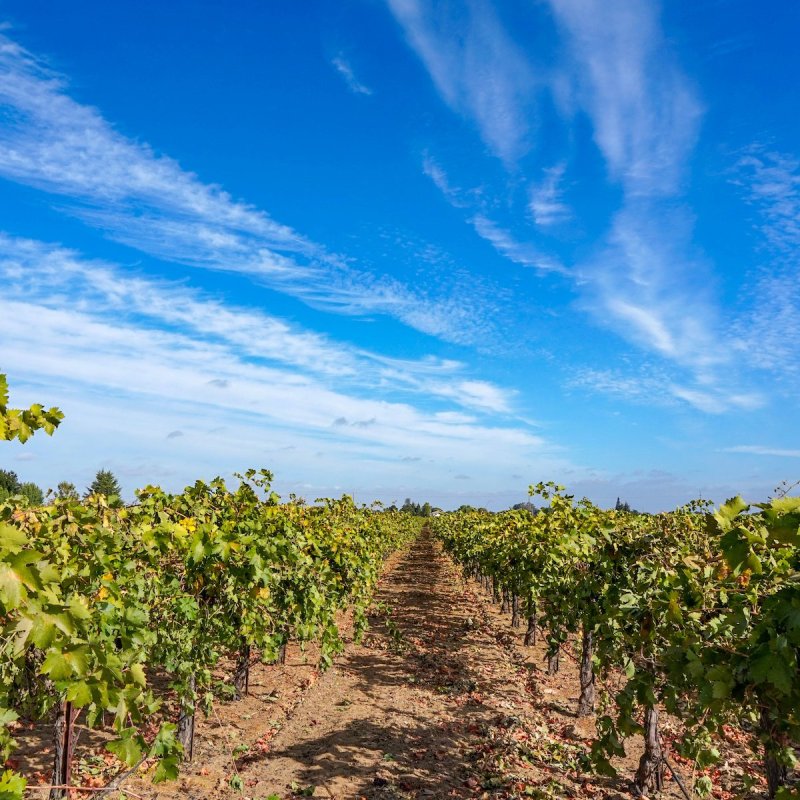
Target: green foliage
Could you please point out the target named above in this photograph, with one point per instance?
(9, 482)
(97, 595)
(415, 509)
(32, 493)
(66, 491)
(698, 613)
(105, 484)
(21, 424)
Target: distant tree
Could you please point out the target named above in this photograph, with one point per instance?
(67, 491)
(104, 483)
(527, 506)
(9, 481)
(465, 507)
(622, 506)
(410, 507)
(34, 494)
(415, 509)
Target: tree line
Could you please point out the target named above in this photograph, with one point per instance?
(105, 483)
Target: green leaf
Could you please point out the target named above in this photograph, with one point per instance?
(167, 769)
(771, 668)
(61, 665)
(42, 632)
(12, 538)
(79, 694)
(674, 613)
(7, 716)
(165, 742)
(719, 690)
(126, 749)
(12, 786)
(785, 505)
(753, 563)
(79, 607)
(17, 577)
(783, 528)
(137, 673)
(703, 786)
(731, 508)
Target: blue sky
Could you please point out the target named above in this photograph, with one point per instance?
(441, 250)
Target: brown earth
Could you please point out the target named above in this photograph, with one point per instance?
(440, 699)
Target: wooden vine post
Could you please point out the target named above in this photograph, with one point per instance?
(64, 742)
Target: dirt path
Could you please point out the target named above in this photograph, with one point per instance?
(436, 702)
(400, 715)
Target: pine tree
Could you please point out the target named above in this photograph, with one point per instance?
(66, 491)
(104, 483)
(9, 481)
(34, 494)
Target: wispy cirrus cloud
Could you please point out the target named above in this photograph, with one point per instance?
(523, 253)
(647, 281)
(56, 279)
(343, 67)
(547, 205)
(644, 281)
(652, 386)
(144, 383)
(770, 183)
(454, 195)
(648, 285)
(53, 143)
(161, 365)
(768, 329)
(149, 202)
(761, 450)
(477, 68)
(644, 110)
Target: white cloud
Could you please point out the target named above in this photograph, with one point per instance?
(768, 329)
(119, 382)
(546, 205)
(74, 347)
(53, 143)
(647, 283)
(476, 67)
(147, 201)
(645, 112)
(760, 450)
(441, 181)
(661, 387)
(771, 184)
(522, 253)
(55, 278)
(342, 66)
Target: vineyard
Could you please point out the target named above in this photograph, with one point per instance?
(120, 617)
(698, 612)
(98, 597)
